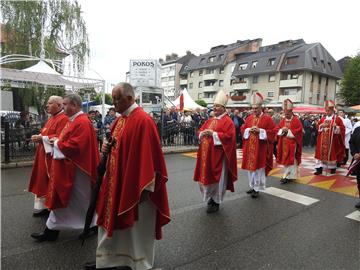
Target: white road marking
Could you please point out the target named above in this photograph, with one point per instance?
(291, 196)
(354, 215)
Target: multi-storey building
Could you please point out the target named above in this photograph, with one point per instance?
(305, 73)
(208, 73)
(170, 69)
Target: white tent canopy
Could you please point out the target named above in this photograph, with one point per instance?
(189, 103)
(99, 107)
(42, 73)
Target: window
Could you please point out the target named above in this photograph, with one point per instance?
(232, 81)
(322, 63)
(315, 61)
(200, 72)
(312, 77)
(330, 66)
(190, 85)
(202, 60)
(221, 71)
(165, 79)
(255, 79)
(211, 59)
(271, 61)
(221, 83)
(242, 66)
(270, 93)
(210, 71)
(253, 64)
(291, 60)
(171, 78)
(209, 95)
(191, 74)
(172, 68)
(272, 78)
(319, 79)
(327, 81)
(290, 91)
(200, 84)
(221, 56)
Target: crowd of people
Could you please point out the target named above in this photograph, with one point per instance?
(119, 193)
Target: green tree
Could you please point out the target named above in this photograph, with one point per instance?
(350, 85)
(108, 99)
(201, 102)
(54, 25)
(58, 23)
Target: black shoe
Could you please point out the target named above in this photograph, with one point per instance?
(284, 180)
(318, 171)
(41, 213)
(46, 235)
(255, 194)
(212, 208)
(357, 205)
(210, 202)
(333, 171)
(250, 191)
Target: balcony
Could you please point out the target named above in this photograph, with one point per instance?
(210, 88)
(246, 100)
(291, 83)
(293, 98)
(240, 86)
(183, 82)
(210, 77)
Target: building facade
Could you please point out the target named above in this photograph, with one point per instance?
(208, 73)
(304, 73)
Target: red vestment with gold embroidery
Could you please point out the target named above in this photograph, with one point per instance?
(135, 162)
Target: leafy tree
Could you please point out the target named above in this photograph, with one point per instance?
(54, 25)
(350, 85)
(108, 99)
(201, 102)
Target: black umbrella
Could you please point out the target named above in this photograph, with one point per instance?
(87, 232)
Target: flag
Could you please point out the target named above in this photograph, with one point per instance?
(182, 102)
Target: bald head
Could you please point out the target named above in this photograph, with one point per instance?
(54, 105)
(123, 96)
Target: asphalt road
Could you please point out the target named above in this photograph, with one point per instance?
(264, 233)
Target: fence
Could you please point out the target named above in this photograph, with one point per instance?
(16, 144)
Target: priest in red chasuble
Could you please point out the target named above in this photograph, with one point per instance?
(43, 156)
(289, 146)
(216, 167)
(72, 173)
(330, 147)
(133, 204)
(258, 136)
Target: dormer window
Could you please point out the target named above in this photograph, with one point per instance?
(271, 61)
(253, 64)
(315, 61)
(211, 59)
(291, 60)
(242, 66)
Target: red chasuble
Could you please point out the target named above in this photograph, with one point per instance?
(42, 163)
(258, 153)
(210, 157)
(135, 162)
(79, 145)
(289, 149)
(329, 146)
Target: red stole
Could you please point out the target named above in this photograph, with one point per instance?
(329, 146)
(135, 162)
(289, 149)
(210, 157)
(42, 163)
(78, 143)
(258, 153)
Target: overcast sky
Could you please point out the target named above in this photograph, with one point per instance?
(120, 30)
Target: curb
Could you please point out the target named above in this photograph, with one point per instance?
(29, 163)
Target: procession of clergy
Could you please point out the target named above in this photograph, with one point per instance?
(132, 203)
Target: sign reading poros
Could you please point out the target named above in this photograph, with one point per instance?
(144, 73)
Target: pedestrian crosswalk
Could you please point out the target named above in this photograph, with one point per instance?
(291, 196)
(338, 182)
